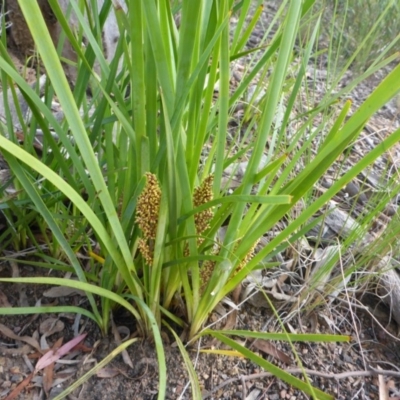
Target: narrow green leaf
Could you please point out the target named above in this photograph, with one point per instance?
(47, 310)
(77, 285)
(75, 198)
(292, 337)
(55, 72)
(194, 381)
(276, 371)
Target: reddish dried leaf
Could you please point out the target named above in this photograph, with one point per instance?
(14, 394)
(34, 355)
(236, 293)
(83, 347)
(231, 320)
(48, 377)
(52, 356)
(270, 349)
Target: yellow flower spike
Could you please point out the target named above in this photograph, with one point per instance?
(203, 194)
(147, 210)
(148, 207)
(205, 273)
(146, 251)
(247, 259)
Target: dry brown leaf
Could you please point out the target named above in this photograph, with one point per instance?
(48, 327)
(236, 294)
(232, 316)
(270, 349)
(14, 269)
(117, 337)
(230, 320)
(51, 326)
(62, 291)
(25, 349)
(10, 334)
(107, 373)
(3, 300)
(48, 377)
(48, 372)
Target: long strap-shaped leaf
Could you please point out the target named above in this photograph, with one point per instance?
(335, 146)
(276, 371)
(56, 74)
(65, 188)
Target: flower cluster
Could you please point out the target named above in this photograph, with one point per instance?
(207, 270)
(147, 210)
(208, 267)
(146, 251)
(247, 258)
(203, 194)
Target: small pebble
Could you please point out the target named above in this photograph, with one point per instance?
(390, 210)
(327, 182)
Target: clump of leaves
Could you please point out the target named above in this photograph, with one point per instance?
(150, 151)
(363, 32)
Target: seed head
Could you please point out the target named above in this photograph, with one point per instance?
(207, 269)
(205, 273)
(148, 207)
(203, 194)
(146, 252)
(247, 258)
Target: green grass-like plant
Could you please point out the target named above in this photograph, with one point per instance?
(137, 167)
(363, 32)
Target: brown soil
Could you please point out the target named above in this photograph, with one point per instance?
(341, 365)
